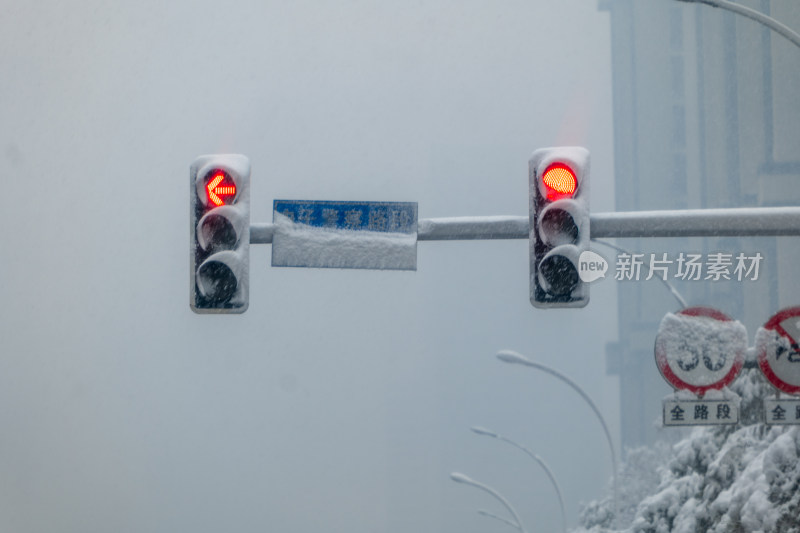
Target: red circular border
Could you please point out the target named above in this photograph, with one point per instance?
(774, 324)
(700, 390)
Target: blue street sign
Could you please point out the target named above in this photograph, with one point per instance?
(387, 217)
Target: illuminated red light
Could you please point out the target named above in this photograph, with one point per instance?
(560, 181)
(217, 192)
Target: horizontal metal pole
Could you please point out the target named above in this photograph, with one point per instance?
(469, 228)
(734, 222)
(738, 222)
(261, 233)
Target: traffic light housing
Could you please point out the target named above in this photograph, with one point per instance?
(559, 226)
(220, 233)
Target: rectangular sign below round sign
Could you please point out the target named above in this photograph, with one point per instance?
(782, 412)
(700, 412)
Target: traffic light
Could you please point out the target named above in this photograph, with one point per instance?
(220, 233)
(559, 226)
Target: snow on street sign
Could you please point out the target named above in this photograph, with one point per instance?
(699, 349)
(322, 234)
(700, 412)
(778, 350)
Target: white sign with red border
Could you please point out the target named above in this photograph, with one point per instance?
(778, 350)
(699, 349)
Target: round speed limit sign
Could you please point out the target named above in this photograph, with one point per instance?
(778, 350)
(699, 348)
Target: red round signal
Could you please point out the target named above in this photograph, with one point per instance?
(221, 189)
(560, 181)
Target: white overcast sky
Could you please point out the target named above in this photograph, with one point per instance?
(342, 400)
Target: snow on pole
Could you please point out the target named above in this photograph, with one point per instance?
(732, 222)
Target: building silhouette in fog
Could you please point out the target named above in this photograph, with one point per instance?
(706, 115)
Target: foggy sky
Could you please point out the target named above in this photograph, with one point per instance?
(342, 400)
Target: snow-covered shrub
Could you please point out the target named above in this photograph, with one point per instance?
(725, 479)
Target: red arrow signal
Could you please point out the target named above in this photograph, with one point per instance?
(216, 191)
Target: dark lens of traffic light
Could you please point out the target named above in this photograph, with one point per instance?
(216, 281)
(560, 274)
(219, 233)
(559, 226)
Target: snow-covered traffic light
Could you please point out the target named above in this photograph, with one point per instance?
(559, 226)
(220, 233)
